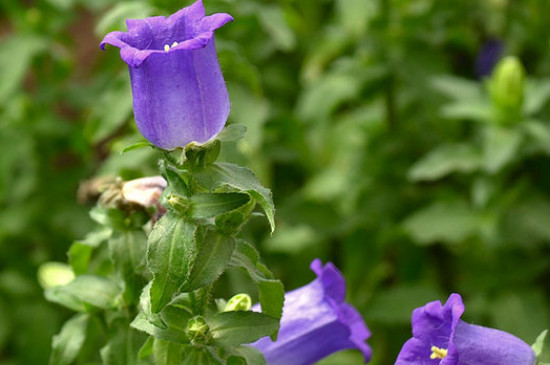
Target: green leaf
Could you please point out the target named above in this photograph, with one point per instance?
(171, 252)
(448, 222)
(271, 291)
(272, 18)
(500, 147)
(86, 293)
(218, 176)
(235, 328)
(167, 353)
(200, 355)
(67, 344)
(115, 18)
(249, 354)
(209, 205)
(128, 249)
(444, 160)
(538, 346)
(26, 47)
(141, 323)
(214, 255)
(537, 93)
(147, 349)
(122, 345)
(457, 88)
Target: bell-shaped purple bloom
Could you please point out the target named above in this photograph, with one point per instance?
(488, 56)
(440, 337)
(177, 84)
(316, 322)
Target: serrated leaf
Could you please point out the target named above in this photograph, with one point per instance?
(222, 175)
(167, 353)
(214, 255)
(86, 293)
(235, 328)
(141, 323)
(171, 252)
(209, 205)
(67, 344)
(444, 160)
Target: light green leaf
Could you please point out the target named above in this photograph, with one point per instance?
(500, 147)
(86, 293)
(235, 328)
(537, 93)
(218, 176)
(67, 344)
(448, 222)
(214, 255)
(232, 133)
(457, 88)
(171, 252)
(272, 19)
(444, 160)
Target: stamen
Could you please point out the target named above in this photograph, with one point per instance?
(166, 47)
(174, 44)
(438, 353)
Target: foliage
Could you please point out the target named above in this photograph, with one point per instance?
(385, 154)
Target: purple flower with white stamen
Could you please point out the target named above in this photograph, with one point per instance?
(316, 322)
(178, 88)
(440, 337)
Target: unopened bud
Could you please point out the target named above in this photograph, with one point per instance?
(144, 191)
(506, 85)
(197, 329)
(239, 302)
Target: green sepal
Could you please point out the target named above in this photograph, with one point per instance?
(178, 181)
(167, 353)
(208, 205)
(122, 345)
(66, 345)
(198, 156)
(170, 254)
(86, 293)
(541, 347)
(232, 133)
(203, 355)
(137, 146)
(214, 254)
(236, 328)
(222, 176)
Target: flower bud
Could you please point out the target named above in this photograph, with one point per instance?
(506, 85)
(197, 329)
(239, 302)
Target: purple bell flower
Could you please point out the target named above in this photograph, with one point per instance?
(316, 322)
(487, 58)
(440, 337)
(177, 84)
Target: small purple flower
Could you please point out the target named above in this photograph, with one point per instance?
(488, 56)
(440, 337)
(316, 322)
(177, 84)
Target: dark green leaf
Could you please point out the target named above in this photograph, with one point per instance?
(221, 175)
(122, 345)
(171, 252)
(210, 205)
(67, 344)
(235, 328)
(147, 349)
(214, 254)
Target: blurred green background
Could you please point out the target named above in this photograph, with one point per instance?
(387, 152)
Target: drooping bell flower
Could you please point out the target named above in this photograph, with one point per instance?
(178, 88)
(316, 322)
(488, 56)
(440, 337)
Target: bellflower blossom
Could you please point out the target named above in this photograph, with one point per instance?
(488, 56)
(440, 337)
(178, 88)
(316, 322)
